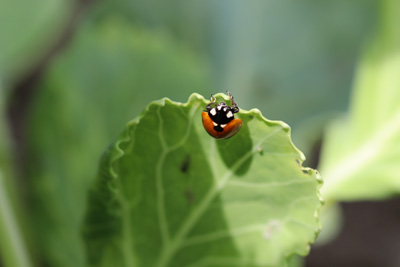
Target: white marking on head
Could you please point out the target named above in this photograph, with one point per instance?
(213, 112)
(229, 114)
(215, 124)
(219, 107)
(223, 125)
(225, 109)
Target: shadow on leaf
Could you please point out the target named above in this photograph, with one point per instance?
(234, 148)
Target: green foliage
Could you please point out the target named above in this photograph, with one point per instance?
(168, 194)
(13, 250)
(89, 93)
(360, 159)
(4, 138)
(28, 29)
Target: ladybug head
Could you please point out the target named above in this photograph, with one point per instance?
(222, 113)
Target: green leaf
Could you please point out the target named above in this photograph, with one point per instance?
(361, 153)
(168, 194)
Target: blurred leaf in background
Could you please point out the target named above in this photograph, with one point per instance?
(13, 245)
(361, 150)
(5, 142)
(361, 155)
(28, 29)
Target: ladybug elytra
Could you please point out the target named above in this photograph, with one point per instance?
(219, 121)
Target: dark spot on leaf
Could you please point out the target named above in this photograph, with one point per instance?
(305, 171)
(260, 151)
(185, 164)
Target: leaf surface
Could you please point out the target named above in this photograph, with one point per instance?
(168, 194)
(360, 157)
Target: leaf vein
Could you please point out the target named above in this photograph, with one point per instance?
(188, 224)
(209, 237)
(162, 219)
(268, 184)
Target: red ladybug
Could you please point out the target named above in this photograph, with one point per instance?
(219, 121)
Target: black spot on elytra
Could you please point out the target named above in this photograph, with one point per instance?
(218, 128)
(185, 164)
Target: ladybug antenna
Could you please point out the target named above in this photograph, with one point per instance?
(235, 107)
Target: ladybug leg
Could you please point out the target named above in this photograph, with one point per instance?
(212, 101)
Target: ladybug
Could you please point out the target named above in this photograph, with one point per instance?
(219, 121)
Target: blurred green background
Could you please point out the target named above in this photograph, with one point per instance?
(74, 72)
